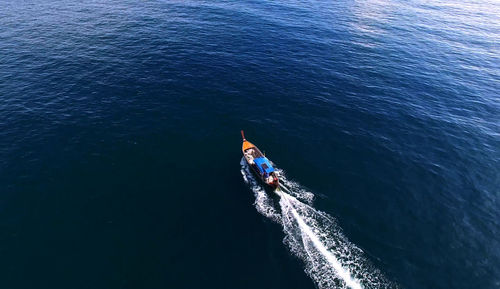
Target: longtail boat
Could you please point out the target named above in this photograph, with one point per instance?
(260, 165)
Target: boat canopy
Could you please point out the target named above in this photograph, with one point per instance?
(264, 165)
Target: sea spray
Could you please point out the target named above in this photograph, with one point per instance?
(263, 203)
(295, 189)
(314, 236)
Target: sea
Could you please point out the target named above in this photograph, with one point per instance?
(120, 146)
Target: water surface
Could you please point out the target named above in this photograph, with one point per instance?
(119, 125)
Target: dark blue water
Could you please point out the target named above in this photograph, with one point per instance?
(120, 146)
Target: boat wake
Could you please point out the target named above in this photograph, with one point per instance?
(314, 236)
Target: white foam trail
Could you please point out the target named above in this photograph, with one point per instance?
(314, 236)
(294, 189)
(263, 203)
(341, 272)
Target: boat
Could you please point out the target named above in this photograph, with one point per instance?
(260, 165)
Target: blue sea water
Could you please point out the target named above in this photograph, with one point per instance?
(120, 149)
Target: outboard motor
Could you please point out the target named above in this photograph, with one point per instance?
(275, 179)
